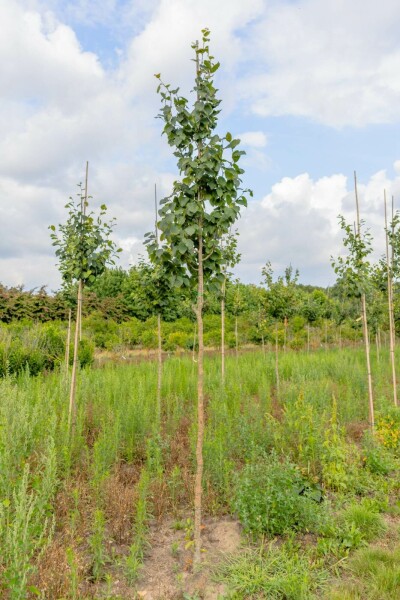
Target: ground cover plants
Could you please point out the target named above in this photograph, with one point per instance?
(303, 476)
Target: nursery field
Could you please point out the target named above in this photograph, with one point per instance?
(300, 500)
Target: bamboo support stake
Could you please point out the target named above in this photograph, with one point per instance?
(236, 337)
(72, 395)
(365, 324)
(68, 343)
(223, 331)
(159, 336)
(277, 363)
(389, 263)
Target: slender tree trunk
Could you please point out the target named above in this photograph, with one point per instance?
(340, 337)
(277, 363)
(365, 327)
(326, 335)
(391, 311)
(308, 337)
(263, 343)
(72, 395)
(200, 412)
(223, 332)
(68, 341)
(236, 337)
(159, 371)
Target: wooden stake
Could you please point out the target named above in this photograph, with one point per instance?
(159, 337)
(365, 325)
(72, 395)
(68, 341)
(389, 264)
(223, 331)
(277, 362)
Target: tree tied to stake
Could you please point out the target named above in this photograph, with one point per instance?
(83, 245)
(84, 248)
(203, 206)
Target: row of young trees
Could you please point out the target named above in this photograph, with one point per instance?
(193, 246)
(365, 280)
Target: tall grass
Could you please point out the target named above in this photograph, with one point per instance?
(115, 439)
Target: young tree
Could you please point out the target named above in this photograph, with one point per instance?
(84, 248)
(355, 269)
(202, 208)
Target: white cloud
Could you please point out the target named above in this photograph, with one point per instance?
(330, 61)
(253, 139)
(333, 61)
(297, 223)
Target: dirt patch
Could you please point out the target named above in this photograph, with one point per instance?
(356, 429)
(167, 572)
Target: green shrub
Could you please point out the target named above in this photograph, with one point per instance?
(85, 353)
(272, 497)
(178, 339)
(149, 339)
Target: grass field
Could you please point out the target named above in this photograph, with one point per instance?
(314, 496)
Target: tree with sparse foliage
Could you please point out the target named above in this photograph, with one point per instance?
(203, 206)
(356, 273)
(84, 248)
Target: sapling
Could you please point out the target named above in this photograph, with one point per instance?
(202, 208)
(355, 270)
(84, 248)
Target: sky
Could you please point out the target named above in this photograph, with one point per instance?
(311, 87)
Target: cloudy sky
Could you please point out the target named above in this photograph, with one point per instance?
(312, 87)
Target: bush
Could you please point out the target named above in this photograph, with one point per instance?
(179, 339)
(272, 497)
(149, 339)
(85, 353)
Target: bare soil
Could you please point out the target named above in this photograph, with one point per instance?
(167, 571)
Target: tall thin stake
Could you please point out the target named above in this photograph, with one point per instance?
(389, 266)
(84, 203)
(68, 341)
(198, 486)
(365, 323)
(159, 353)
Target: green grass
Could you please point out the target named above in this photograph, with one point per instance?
(273, 573)
(52, 486)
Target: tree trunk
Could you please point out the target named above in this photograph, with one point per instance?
(263, 343)
(200, 412)
(308, 337)
(72, 395)
(68, 341)
(159, 371)
(223, 333)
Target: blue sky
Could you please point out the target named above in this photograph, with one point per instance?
(311, 87)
